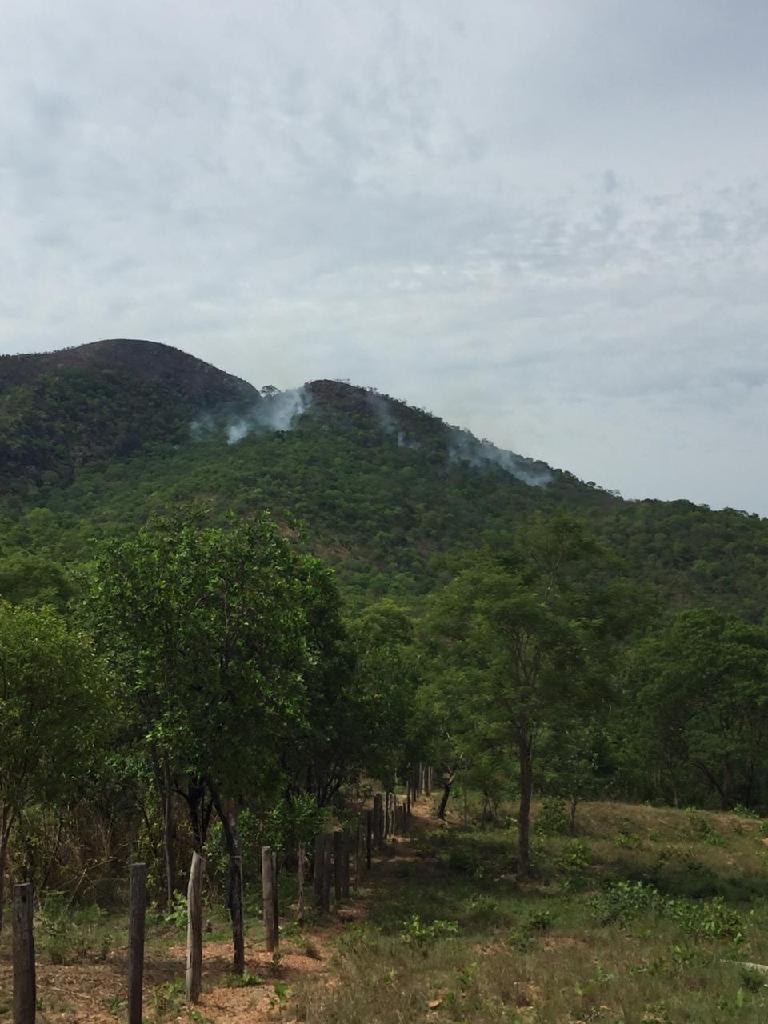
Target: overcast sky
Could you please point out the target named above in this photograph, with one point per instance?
(544, 220)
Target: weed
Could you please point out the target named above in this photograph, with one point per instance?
(277, 959)
(573, 861)
(416, 933)
(116, 1006)
(552, 819)
(281, 993)
(702, 829)
(244, 980)
(539, 920)
(312, 950)
(177, 913)
(199, 1018)
(622, 901)
(167, 1001)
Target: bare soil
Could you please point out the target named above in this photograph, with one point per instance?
(95, 993)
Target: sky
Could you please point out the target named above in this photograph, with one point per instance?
(543, 220)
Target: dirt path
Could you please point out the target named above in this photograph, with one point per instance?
(94, 993)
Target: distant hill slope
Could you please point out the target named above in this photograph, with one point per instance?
(389, 494)
(97, 402)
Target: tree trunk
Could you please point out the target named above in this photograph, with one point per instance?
(168, 852)
(574, 802)
(525, 755)
(235, 881)
(6, 822)
(448, 779)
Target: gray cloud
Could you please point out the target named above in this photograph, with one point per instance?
(545, 221)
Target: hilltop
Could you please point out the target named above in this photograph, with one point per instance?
(97, 402)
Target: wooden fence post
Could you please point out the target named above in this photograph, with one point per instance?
(276, 892)
(268, 898)
(327, 873)
(338, 864)
(368, 838)
(24, 985)
(346, 844)
(358, 851)
(318, 870)
(300, 861)
(136, 933)
(377, 821)
(236, 913)
(194, 978)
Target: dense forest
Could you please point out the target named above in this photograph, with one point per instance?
(224, 612)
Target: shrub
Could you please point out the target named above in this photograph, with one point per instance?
(423, 936)
(552, 819)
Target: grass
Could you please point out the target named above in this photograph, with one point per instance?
(644, 916)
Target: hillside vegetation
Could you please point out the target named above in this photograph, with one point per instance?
(391, 496)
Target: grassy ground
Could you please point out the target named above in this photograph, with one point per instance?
(646, 915)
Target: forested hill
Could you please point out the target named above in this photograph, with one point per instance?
(97, 402)
(95, 438)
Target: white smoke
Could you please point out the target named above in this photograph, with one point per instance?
(274, 411)
(387, 422)
(465, 447)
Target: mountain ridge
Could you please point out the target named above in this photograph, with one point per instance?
(390, 495)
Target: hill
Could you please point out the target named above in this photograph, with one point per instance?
(389, 494)
(93, 403)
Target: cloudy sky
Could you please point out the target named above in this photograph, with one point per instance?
(545, 220)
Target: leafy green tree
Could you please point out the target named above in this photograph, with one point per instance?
(387, 680)
(53, 714)
(517, 631)
(697, 706)
(205, 628)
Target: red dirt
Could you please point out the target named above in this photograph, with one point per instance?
(94, 993)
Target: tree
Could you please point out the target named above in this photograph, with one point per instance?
(516, 630)
(205, 627)
(53, 714)
(697, 696)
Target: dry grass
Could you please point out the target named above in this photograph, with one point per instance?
(542, 952)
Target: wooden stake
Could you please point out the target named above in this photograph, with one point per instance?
(346, 844)
(195, 929)
(338, 864)
(358, 851)
(378, 821)
(268, 898)
(318, 871)
(236, 913)
(24, 985)
(276, 891)
(136, 932)
(300, 860)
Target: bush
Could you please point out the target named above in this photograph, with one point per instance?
(423, 936)
(552, 819)
(708, 919)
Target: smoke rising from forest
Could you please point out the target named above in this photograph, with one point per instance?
(274, 411)
(465, 447)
